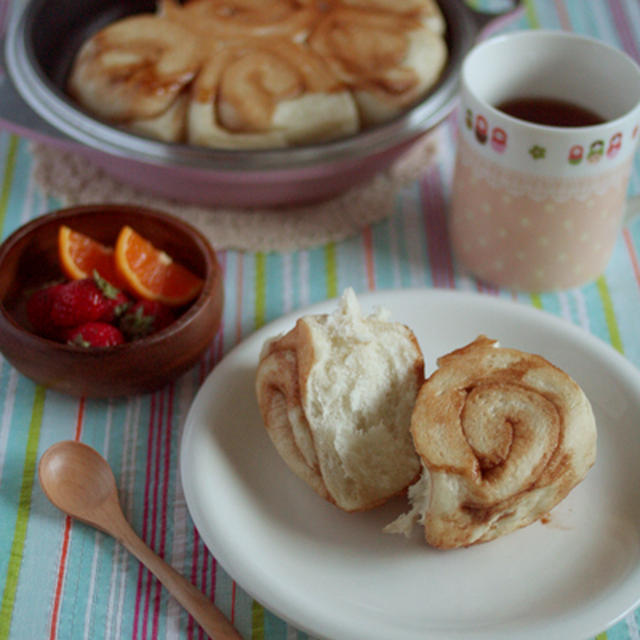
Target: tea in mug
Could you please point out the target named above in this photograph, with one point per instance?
(550, 112)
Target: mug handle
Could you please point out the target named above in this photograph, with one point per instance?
(495, 19)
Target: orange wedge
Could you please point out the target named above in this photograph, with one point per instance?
(150, 273)
(80, 256)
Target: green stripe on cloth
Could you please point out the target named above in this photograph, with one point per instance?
(7, 178)
(532, 16)
(332, 270)
(609, 314)
(257, 621)
(260, 289)
(602, 636)
(24, 506)
(536, 301)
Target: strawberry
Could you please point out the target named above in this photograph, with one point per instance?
(39, 310)
(86, 300)
(95, 334)
(144, 318)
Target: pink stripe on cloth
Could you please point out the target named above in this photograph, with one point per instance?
(153, 585)
(145, 519)
(435, 221)
(633, 256)
(563, 15)
(167, 469)
(623, 22)
(367, 237)
(156, 499)
(165, 421)
(203, 581)
(154, 520)
(239, 300)
(194, 577)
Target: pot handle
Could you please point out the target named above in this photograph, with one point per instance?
(494, 20)
(15, 115)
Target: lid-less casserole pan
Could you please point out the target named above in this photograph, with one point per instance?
(43, 37)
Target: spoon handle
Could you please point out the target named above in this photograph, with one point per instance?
(194, 601)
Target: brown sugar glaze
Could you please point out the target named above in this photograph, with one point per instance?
(354, 47)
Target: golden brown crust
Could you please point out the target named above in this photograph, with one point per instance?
(260, 73)
(278, 385)
(135, 68)
(505, 436)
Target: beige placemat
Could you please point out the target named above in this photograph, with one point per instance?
(73, 180)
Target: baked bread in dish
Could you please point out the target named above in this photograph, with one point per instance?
(232, 19)
(336, 395)
(266, 93)
(260, 73)
(503, 436)
(137, 72)
(388, 59)
(427, 11)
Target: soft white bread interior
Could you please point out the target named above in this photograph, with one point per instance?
(336, 395)
(503, 436)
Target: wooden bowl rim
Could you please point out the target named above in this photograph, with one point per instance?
(212, 286)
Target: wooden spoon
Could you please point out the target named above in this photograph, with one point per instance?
(79, 481)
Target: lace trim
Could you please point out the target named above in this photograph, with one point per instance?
(73, 179)
(539, 188)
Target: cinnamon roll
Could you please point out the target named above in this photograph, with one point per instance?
(387, 59)
(504, 436)
(427, 11)
(260, 73)
(336, 394)
(231, 19)
(136, 72)
(266, 92)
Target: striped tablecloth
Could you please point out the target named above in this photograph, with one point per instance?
(63, 580)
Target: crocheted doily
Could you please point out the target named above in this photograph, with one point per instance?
(73, 180)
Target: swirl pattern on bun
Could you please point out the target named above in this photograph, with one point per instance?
(504, 436)
(388, 59)
(137, 72)
(267, 93)
(427, 11)
(232, 19)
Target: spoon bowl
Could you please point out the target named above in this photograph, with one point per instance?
(80, 482)
(77, 480)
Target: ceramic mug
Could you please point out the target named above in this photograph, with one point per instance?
(536, 207)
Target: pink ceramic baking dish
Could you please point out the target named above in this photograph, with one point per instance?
(40, 43)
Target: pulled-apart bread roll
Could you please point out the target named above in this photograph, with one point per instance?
(336, 395)
(267, 92)
(136, 73)
(387, 59)
(503, 436)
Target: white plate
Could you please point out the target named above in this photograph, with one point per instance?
(336, 575)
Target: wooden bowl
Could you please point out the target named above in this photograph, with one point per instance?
(29, 258)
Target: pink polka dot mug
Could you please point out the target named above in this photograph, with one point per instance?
(538, 207)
